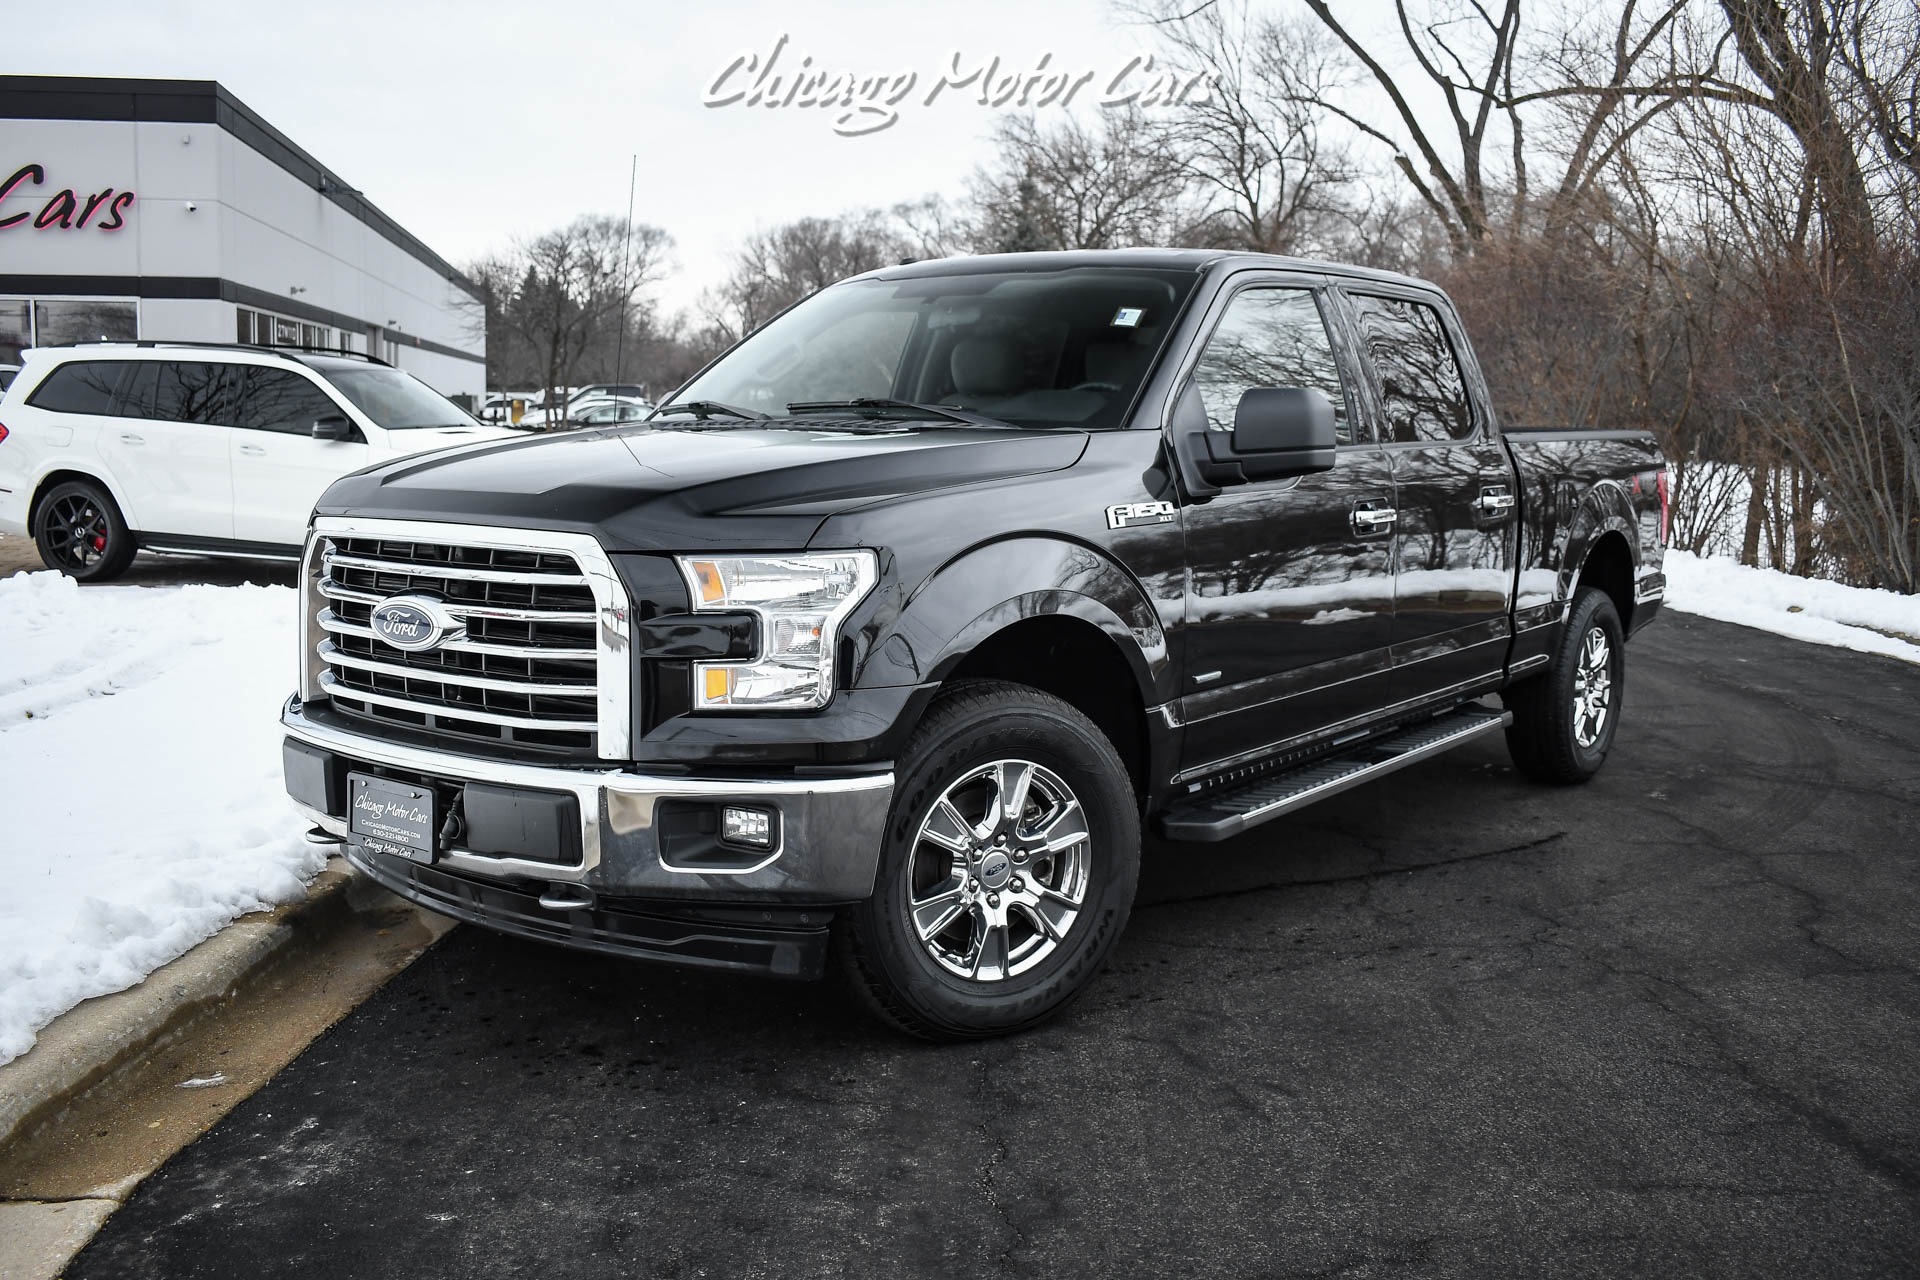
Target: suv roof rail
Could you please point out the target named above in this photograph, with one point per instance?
(287, 349)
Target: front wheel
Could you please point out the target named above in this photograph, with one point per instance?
(1564, 720)
(1012, 853)
(80, 532)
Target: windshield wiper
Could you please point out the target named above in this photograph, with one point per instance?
(704, 409)
(877, 407)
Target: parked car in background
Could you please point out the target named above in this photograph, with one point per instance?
(611, 411)
(614, 390)
(109, 449)
(7, 372)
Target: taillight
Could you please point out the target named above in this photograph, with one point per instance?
(1665, 485)
(3, 432)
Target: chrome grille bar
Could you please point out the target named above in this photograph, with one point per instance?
(549, 677)
(433, 569)
(451, 675)
(334, 688)
(333, 622)
(459, 608)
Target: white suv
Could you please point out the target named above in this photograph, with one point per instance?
(109, 449)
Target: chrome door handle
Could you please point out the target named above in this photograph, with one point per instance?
(127, 437)
(252, 450)
(1374, 519)
(1493, 501)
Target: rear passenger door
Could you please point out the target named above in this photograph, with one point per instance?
(1290, 584)
(171, 436)
(1455, 493)
(279, 469)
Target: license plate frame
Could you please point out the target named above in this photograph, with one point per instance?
(391, 817)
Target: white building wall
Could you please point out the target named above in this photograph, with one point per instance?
(209, 206)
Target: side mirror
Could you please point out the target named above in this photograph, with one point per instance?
(1283, 431)
(332, 426)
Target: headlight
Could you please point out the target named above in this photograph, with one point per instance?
(800, 601)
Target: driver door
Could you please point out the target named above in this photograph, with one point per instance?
(1290, 588)
(279, 469)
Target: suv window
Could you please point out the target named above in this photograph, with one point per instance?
(1269, 338)
(279, 400)
(1423, 394)
(180, 391)
(80, 386)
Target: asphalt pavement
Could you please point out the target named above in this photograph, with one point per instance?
(1452, 1023)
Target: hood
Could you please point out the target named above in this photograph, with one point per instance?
(654, 487)
(421, 439)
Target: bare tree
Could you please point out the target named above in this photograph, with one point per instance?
(1073, 185)
(1253, 148)
(777, 268)
(558, 296)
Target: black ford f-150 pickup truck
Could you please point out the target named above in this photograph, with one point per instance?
(892, 631)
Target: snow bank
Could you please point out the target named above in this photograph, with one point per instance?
(141, 804)
(1803, 608)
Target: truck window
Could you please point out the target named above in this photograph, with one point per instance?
(1269, 338)
(1422, 391)
(84, 386)
(178, 391)
(1028, 348)
(280, 400)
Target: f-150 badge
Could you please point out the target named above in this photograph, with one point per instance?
(1125, 515)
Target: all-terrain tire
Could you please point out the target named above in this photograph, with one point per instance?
(1030, 911)
(79, 530)
(1564, 720)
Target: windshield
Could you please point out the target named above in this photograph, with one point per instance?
(1029, 348)
(395, 400)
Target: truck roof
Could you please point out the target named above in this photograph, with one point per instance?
(1196, 260)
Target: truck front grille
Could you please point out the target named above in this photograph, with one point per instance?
(527, 671)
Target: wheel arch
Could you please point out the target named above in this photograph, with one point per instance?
(59, 475)
(1601, 549)
(1065, 619)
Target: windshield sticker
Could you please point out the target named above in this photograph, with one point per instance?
(1128, 317)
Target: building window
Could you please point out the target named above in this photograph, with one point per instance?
(264, 329)
(34, 322)
(16, 328)
(84, 320)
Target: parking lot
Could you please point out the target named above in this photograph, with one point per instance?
(1450, 1024)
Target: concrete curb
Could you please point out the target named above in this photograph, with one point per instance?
(102, 1038)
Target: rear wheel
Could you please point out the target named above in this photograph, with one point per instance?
(1012, 853)
(1564, 720)
(80, 532)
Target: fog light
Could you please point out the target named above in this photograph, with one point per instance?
(746, 826)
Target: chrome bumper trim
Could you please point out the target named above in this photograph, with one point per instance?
(831, 828)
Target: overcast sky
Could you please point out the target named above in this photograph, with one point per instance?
(472, 123)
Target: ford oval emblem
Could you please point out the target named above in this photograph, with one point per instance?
(410, 623)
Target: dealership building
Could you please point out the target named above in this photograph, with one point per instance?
(167, 209)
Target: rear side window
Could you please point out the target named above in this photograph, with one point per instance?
(280, 400)
(80, 386)
(1423, 394)
(1269, 338)
(180, 391)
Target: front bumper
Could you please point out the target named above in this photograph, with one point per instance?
(830, 828)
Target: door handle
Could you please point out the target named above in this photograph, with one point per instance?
(252, 450)
(1493, 502)
(1368, 519)
(127, 437)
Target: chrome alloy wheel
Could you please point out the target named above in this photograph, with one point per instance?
(999, 870)
(1592, 688)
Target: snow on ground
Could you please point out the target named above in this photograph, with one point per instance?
(1803, 608)
(141, 804)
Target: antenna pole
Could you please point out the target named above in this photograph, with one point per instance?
(626, 246)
